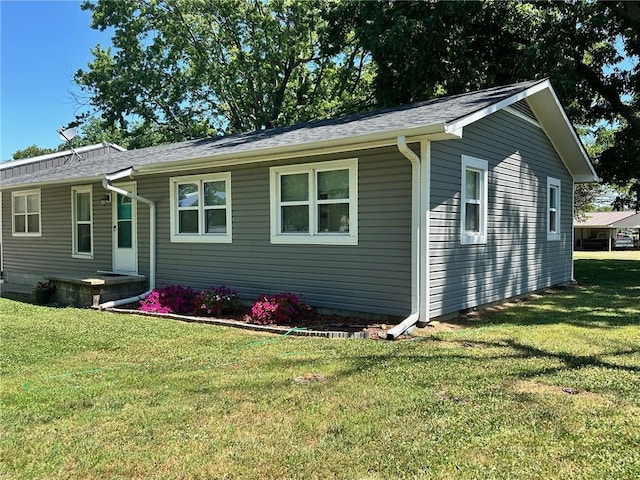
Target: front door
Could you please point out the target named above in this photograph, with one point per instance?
(125, 251)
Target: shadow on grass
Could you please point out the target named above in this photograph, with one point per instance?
(18, 297)
(28, 298)
(607, 296)
(458, 356)
(569, 361)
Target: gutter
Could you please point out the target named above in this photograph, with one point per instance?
(417, 251)
(152, 236)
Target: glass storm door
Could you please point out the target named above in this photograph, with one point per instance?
(124, 240)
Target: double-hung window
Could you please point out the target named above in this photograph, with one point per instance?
(315, 203)
(26, 218)
(201, 208)
(473, 222)
(553, 208)
(82, 221)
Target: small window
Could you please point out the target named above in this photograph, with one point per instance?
(82, 221)
(473, 221)
(553, 209)
(26, 213)
(201, 208)
(315, 203)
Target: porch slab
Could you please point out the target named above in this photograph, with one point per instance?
(94, 288)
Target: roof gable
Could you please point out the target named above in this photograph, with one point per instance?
(552, 118)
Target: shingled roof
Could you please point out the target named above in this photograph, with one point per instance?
(445, 116)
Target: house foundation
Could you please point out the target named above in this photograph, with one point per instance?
(91, 291)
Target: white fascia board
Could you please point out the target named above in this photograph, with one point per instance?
(570, 131)
(44, 183)
(522, 116)
(115, 146)
(462, 122)
(431, 132)
(552, 119)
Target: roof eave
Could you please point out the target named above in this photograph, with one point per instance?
(435, 131)
(63, 181)
(460, 123)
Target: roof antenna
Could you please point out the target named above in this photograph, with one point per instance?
(67, 135)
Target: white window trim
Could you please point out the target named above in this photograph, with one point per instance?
(201, 236)
(25, 193)
(481, 166)
(313, 237)
(74, 222)
(553, 183)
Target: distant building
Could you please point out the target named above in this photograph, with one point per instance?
(599, 229)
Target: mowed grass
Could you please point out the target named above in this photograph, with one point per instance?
(547, 388)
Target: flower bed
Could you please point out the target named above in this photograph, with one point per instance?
(282, 309)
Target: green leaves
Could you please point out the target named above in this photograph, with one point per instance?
(196, 69)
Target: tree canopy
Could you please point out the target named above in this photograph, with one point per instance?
(32, 151)
(195, 69)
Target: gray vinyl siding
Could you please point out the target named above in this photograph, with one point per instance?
(517, 257)
(373, 276)
(29, 259)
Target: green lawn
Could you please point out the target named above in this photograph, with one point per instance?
(548, 388)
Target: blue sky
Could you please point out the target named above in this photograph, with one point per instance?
(42, 44)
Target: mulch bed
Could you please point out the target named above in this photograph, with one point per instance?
(317, 322)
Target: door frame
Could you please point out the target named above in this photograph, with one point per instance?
(129, 187)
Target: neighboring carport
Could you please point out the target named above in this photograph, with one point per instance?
(598, 230)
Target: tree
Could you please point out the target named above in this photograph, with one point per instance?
(423, 50)
(32, 151)
(137, 134)
(618, 158)
(196, 69)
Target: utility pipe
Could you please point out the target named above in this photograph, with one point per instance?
(416, 224)
(152, 245)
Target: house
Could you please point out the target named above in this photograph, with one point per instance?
(415, 211)
(23, 166)
(598, 230)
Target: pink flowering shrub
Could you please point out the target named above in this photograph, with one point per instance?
(216, 302)
(283, 308)
(169, 299)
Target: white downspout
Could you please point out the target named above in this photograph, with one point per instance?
(425, 229)
(573, 231)
(152, 246)
(416, 224)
